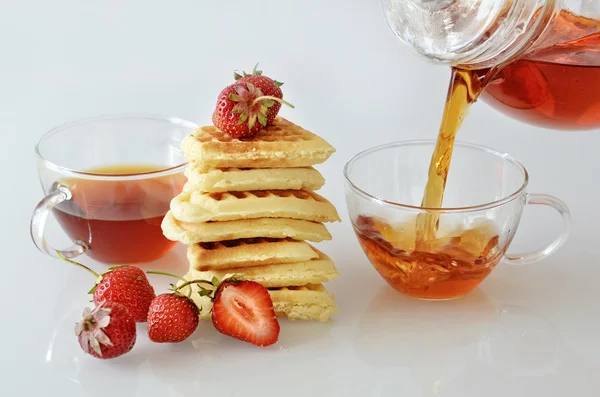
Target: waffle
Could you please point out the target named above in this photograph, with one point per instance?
(282, 144)
(307, 302)
(314, 271)
(192, 233)
(199, 207)
(239, 179)
(248, 252)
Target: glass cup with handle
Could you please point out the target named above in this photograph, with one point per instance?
(485, 196)
(109, 181)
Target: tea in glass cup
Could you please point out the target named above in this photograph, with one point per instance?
(109, 182)
(484, 198)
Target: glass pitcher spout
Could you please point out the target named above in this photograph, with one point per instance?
(538, 61)
(479, 34)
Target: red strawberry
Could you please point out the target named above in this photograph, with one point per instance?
(172, 318)
(244, 310)
(129, 286)
(234, 114)
(243, 109)
(268, 86)
(107, 331)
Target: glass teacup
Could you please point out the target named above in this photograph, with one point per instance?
(484, 199)
(109, 182)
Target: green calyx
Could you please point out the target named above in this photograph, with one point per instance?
(209, 288)
(255, 72)
(247, 98)
(205, 287)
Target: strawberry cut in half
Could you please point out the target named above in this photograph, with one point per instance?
(244, 310)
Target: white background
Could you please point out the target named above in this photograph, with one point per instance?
(354, 84)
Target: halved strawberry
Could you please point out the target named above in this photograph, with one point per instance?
(244, 310)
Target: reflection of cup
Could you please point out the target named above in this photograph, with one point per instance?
(440, 253)
(535, 344)
(465, 347)
(109, 182)
(423, 331)
(432, 344)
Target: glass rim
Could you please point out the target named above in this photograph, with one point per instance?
(108, 176)
(432, 142)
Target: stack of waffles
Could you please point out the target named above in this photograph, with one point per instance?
(249, 207)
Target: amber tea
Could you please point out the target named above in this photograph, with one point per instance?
(557, 87)
(120, 220)
(465, 87)
(452, 265)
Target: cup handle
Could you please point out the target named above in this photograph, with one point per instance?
(38, 222)
(537, 255)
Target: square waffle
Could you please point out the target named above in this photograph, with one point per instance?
(248, 252)
(282, 144)
(314, 271)
(306, 302)
(196, 207)
(242, 179)
(191, 233)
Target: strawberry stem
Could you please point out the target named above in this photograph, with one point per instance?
(165, 274)
(77, 264)
(274, 98)
(211, 286)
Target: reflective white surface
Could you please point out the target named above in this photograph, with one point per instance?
(528, 331)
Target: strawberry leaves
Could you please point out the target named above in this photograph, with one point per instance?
(248, 105)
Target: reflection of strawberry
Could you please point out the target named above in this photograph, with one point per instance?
(243, 109)
(127, 285)
(107, 331)
(244, 310)
(268, 87)
(172, 318)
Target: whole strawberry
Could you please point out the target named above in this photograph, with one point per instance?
(107, 331)
(129, 286)
(243, 109)
(244, 310)
(267, 86)
(172, 318)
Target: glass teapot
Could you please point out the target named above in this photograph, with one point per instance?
(543, 55)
